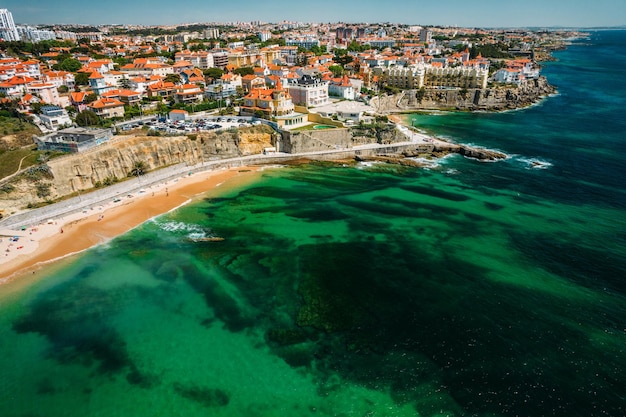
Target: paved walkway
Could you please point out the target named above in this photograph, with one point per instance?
(120, 190)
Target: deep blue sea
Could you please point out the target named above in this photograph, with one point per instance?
(465, 289)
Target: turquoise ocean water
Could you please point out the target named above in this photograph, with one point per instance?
(467, 289)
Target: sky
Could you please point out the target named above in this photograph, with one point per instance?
(462, 13)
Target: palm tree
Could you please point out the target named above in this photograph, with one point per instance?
(139, 168)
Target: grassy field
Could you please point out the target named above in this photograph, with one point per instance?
(16, 132)
(16, 143)
(10, 160)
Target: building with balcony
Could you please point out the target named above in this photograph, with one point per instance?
(274, 104)
(107, 107)
(309, 91)
(8, 31)
(188, 93)
(342, 87)
(47, 92)
(54, 117)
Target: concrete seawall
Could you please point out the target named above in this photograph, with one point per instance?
(96, 197)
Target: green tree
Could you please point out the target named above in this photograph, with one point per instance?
(419, 94)
(36, 107)
(90, 98)
(243, 71)
(87, 118)
(337, 70)
(212, 73)
(139, 168)
(63, 89)
(71, 110)
(318, 50)
(70, 65)
(162, 109)
(82, 78)
(173, 78)
(132, 111)
(354, 46)
(343, 58)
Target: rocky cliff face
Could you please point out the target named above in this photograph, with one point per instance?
(491, 99)
(115, 160)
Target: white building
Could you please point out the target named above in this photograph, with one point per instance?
(342, 87)
(34, 34)
(200, 59)
(309, 91)
(8, 31)
(307, 41)
(265, 36)
(509, 76)
(425, 75)
(54, 117)
(211, 33)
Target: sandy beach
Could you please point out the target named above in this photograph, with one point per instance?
(60, 237)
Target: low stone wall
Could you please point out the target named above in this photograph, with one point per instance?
(316, 140)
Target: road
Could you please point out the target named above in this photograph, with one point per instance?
(133, 186)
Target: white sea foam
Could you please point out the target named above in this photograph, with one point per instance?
(426, 162)
(180, 227)
(197, 235)
(534, 163)
(188, 231)
(367, 164)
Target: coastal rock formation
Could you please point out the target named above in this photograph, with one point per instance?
(114, 161)
(481, 153)
(339, 138)
(496, 98)
(125, 155)
(433, 150)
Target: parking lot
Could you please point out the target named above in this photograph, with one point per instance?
(198, 124)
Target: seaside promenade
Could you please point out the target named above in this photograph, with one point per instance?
(145, 183)
(37, 236)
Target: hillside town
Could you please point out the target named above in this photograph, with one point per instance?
(77, 75)
(110, 94)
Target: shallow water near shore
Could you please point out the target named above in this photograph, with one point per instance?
(487, 289)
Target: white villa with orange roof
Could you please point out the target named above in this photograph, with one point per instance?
(16, 86)
(59, 78)
(48, 93)
(128, 97)
(147, 67)
(309, 91)
(342, 87)
(107, 107)
(188, 93)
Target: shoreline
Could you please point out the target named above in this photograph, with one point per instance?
(49, 239)
(61, 238)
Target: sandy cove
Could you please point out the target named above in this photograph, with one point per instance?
(75, 233)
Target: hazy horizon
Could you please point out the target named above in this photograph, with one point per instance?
(451, 13)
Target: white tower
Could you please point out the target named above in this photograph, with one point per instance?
(8, 31)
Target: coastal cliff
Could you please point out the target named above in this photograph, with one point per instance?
(118, 159)
(126, 156)
(498, 98)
